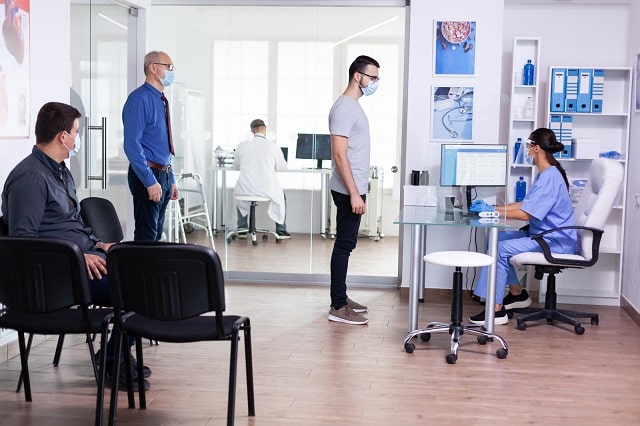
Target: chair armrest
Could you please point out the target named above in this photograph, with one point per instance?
(595, 247)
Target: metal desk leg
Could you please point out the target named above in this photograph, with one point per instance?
(324, 205)
(489, 304)
(214, 199)
(423, 245)
(223, 202)
(416, 260)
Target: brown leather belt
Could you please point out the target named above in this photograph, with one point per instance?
(157, 166)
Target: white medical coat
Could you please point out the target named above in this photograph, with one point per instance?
(258, 159)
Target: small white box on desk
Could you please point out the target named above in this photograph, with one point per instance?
(585, 148)
(420, 195)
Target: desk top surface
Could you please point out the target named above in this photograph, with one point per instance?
(420, 215)
(291, 170)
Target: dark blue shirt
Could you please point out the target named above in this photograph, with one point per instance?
(145, 132)
(39, 200)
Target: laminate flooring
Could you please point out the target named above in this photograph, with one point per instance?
(309, 371)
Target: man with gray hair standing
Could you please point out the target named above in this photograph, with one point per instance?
(350, 148)
(148, 145)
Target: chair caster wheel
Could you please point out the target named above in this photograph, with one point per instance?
(188, 228)
(521, 325)
(451, 358)
(595, 321)
(265, 237)
(234, 236)
(579, 329)
(278, 241)
(509, 314)
(482, 340)
(409, 347)
(425, 337)
(255, 243)
(502, 353)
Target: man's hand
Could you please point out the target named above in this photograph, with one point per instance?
(174, 192)
(96, 266)
(104, 246)
(155, 192)
(357, 205)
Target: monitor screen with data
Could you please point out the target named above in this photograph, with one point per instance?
(473, 165)
(323, 147)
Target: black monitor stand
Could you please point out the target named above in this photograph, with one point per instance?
(319, 166)
(468, 198)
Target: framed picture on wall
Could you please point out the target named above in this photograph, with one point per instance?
(637, 100)
(455, 48)
(452, 114)
(14, 69)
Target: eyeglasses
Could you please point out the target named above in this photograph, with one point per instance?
(170, 66)
(372, 77)
(530, 144)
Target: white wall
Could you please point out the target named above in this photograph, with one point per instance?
(630, 263)
(419, 153)
(50, 72)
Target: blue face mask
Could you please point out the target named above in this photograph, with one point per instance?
(370, 88)
(168, 78)
(76, 146)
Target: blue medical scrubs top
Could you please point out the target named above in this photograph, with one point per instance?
(549, 206)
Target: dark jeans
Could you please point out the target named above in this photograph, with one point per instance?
(243, 220)
(347, 225)
(149, 216)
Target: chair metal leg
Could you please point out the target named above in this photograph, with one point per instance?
(249, 367)
(233, 372)
(24, 355)
(28, 350)
(115, 373)
(142, 395)
(102, 369)
(56, 357)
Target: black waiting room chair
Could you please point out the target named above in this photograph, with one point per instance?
(44, 290)
(160, 291)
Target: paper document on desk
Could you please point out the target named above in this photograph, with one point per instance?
(421, 195)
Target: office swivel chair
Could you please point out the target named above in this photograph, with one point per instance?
(252, 230)
(591, 212)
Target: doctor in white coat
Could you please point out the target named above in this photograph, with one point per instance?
(258, 159)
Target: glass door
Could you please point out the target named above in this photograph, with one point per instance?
(104, 33)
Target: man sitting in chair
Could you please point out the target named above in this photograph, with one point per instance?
(39, 200)
(258, 159)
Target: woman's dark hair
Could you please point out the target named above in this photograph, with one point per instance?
(360, 64)
(546, 140)
(53, 118)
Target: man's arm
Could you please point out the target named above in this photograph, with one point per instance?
(339, 146)
(26, 200)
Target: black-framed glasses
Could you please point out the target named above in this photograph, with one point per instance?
(170, 66)
(372, 77)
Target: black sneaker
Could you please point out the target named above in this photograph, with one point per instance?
(514, 302)
(284, 235)
(501, 318)
(122, 381)
(134, 364)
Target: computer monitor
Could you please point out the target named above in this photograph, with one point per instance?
(472, 165)
(311, 146)
(304, 146)
(285, 152)
(323, 148)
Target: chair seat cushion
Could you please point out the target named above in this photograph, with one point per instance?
(536, 258)
(64, 321)
(188, 330)
(255, 198)
(469, 259)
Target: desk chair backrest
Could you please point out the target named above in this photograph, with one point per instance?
(40, 275)
(100, 215)
(166, 281)
(596, 202)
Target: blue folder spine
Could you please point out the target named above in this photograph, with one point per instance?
(558, 79)
(584, 90)
(597, 90)
(571, 90)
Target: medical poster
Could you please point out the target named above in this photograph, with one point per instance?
(452, 114)
(14, 69)
(455, 48)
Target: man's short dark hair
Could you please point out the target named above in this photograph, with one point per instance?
(53, 118)
(257, 123)
(360, 64)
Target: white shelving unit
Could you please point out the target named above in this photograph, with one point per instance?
(601, 283)
(522, 124)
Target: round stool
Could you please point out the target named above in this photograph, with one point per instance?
(457, 259)
(252, 230)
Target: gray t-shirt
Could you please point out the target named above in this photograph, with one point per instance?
(347, 118)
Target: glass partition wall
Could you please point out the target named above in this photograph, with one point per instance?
(285, 65)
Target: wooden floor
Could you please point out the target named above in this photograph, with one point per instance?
(309, 371)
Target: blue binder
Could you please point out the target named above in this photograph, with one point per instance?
(555, 124)
(566, 133)
(584, 90)
(597, 90)
(571, 90)
(558, 79)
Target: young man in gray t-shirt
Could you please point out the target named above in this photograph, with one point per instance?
(350, 147)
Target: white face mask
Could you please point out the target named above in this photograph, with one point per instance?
(76, 145)
(370, 88)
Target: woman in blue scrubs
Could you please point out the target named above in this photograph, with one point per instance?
(547, 205)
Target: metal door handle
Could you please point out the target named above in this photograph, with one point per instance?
(87, 154)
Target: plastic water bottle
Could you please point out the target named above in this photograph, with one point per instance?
(517, 155)
(521, 189)
(529, 108)
(527, 75)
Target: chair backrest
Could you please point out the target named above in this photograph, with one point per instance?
(100, 215)
(40, 275)
(165, 281)
(596, 202)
